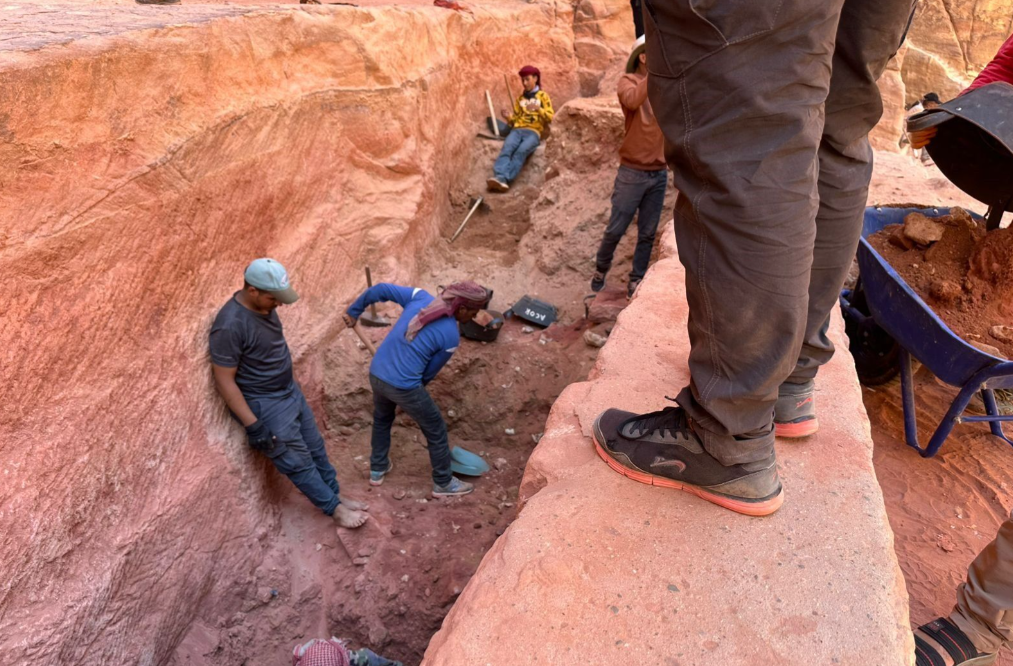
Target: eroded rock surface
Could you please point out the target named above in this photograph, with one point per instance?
(143, 163)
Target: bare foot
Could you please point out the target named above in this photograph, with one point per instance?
(355, 505)
(348, 517)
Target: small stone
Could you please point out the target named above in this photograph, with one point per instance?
(404, 578)
(898, 239)
(318, 547)
(672, 588)
(264, 594)
(537, 438)
(477, 526)
(510, 431)
(593, 339)
(944, 291)
(400, 495)
(360, 561)
(499, 463)
(364, 552)
(988, 349)
(922, 230)
(527, 329)
(1001, 332)
(451, 413)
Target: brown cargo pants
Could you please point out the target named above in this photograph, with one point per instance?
(766, 107)
(984, 609)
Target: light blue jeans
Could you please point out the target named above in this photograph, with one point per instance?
(519, 144)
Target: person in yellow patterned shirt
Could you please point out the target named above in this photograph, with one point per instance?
(529, 121)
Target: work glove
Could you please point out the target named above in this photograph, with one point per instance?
(349, 320)
(921, 138)
(260, 436)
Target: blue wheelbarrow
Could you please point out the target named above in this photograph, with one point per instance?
(889, 323)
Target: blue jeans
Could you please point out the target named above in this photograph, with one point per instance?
(643, 190)
(417, 404)
(299, 453)
(519, 144)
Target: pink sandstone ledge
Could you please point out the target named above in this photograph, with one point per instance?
(598, 569)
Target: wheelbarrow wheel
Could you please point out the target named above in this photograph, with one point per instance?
(876, 353)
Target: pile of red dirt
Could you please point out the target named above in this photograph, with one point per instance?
(962, 272)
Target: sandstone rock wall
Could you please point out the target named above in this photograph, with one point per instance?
(142, 167)
(949, 42)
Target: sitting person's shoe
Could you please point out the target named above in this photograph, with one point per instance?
(455, 488)
(661, 449)
(795, 410)
(376, 478)
(597, 281)
(941, 643)
(631, 287)
(496, 185)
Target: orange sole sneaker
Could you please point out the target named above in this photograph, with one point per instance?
(756, 509)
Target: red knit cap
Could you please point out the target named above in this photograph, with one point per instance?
(531, 70)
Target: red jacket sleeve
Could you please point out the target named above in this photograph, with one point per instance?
(1000, 69)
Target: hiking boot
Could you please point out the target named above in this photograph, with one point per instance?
(631, 287)
(795, 411)
(661, 449)
(597, 281)
(455, 488)
(939, 639)
(376, 478)
(496, 185)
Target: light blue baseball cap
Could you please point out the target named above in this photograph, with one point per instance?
(270, 276)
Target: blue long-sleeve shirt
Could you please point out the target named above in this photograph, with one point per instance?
(404, 364)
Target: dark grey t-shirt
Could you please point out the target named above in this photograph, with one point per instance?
(254, 344)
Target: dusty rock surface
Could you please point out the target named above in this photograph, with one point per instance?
(144, 162)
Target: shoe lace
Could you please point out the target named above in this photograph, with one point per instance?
(670, 419)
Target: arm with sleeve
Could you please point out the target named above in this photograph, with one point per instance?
(546, 113)
(443, 345)
(632, 93)
(383, 292)
(1000, 69)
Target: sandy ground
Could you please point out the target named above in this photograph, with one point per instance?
(943, 510)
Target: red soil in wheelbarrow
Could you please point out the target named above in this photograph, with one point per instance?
(966, 276)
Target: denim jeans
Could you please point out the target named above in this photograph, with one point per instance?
(417, 404)
(643, 190)
(299, 453)
(519, 144)
(766, 110)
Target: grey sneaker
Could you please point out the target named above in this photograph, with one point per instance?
(376, 478)
(455, 488)
(661, 449)
(795, 411)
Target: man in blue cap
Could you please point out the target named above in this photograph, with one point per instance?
(252, 368)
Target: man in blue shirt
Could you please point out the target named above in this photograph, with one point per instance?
(420, 343)
(252, 368)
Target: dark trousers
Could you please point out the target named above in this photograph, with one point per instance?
(300, 453)
(772, 160)
(638, 17)
(634, 190)
(417, 404)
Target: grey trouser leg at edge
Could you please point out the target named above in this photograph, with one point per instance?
(984, 609)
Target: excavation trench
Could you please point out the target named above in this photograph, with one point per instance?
(389, 585)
